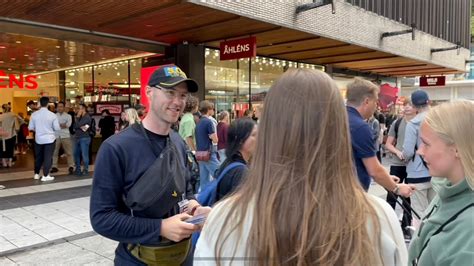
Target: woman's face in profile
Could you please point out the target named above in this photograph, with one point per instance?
(251, 142)
(439, 156)
(123, 116)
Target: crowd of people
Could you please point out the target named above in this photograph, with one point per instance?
(292, 188)
(53, 130)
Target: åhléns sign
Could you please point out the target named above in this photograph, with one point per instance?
(241, 48)
(20, 81)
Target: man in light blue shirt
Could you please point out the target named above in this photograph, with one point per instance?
(44, 123)
(63, 139)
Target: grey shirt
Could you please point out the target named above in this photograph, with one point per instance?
(415, 166)
(393, 158)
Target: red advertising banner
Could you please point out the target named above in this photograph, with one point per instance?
(241, 48)
(144, 78)
(432, 81)
(387, 96)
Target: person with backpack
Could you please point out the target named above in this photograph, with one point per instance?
(82, 136)
(394, 144)
(446, 237)
(242, 136)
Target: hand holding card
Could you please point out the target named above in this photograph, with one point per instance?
(197, 219)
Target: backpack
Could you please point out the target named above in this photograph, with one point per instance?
(207, 197)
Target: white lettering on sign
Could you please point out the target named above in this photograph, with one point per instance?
(236, 49)
(432, 81)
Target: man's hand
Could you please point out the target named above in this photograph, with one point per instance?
(400, 156)
(405, 190)
(395, 178)
(202, 210)
(175, 229)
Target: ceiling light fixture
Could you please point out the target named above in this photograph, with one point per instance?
(18, 41)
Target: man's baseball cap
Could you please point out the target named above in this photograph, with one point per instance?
(419, 98)
(168, 76)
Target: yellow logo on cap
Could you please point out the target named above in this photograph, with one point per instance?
(174, 194)
(174, 72)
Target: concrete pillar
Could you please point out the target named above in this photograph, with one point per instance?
(190, 58)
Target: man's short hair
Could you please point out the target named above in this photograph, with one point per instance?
(44, 101)
(205, 106)
(61, 102)
(359, 89)
(106, 111)
(191, 103)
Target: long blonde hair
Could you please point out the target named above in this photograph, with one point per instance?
(453, 123)
(132, 116)
(308, 207)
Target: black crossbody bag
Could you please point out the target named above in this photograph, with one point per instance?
(160, 188)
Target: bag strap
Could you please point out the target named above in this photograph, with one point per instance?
(397, 126)
(142, 128)
(440, 229)
(227, 169)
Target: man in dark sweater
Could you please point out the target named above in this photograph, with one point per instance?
(121, 161)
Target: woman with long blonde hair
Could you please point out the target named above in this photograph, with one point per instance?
(446, 234)
(130, 117)
(302, 203)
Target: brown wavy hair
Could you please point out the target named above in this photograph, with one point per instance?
(302, 191)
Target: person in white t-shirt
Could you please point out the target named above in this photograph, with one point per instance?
(44, 123)
(301, 202)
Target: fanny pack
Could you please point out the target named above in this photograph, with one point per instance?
(168, 255)
(203, 156)
(160, 188)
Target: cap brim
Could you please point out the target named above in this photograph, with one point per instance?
(192, 85)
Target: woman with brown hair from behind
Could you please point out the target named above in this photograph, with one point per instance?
(302, 203)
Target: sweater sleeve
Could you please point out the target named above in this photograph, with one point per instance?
(106, 197)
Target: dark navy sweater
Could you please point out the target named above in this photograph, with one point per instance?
(121, 160)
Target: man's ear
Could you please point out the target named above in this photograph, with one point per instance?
(149, 92)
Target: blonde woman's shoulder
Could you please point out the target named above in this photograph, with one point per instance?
(217, 224)
(394, 250)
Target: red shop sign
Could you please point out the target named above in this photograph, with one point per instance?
(432, 81)
(241, 48)
(21, 81)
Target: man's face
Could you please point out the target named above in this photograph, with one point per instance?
(168, 104)
(370, 105)
(60, 108)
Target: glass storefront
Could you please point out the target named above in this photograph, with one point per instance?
(117, 82)
(240, 84)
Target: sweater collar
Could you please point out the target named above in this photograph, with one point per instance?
(446, 190)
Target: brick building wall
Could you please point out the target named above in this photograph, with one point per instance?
(349, 24)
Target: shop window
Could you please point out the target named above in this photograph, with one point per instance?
(135, 68)
(110, 83)
(78, 83)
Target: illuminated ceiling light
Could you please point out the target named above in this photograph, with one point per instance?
(30, 64)
(1, 62)
(9, 69)
(92, 51)
(43, 61)
(57, 46)
(148, 25)
(40, 51)
(18, 41)
(26, 55)
(58, 58)
(71, 73)
(118, 73)
(2, 47)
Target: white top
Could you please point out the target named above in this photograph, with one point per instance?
(64, 118)
(394, 251)
(44, 123)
